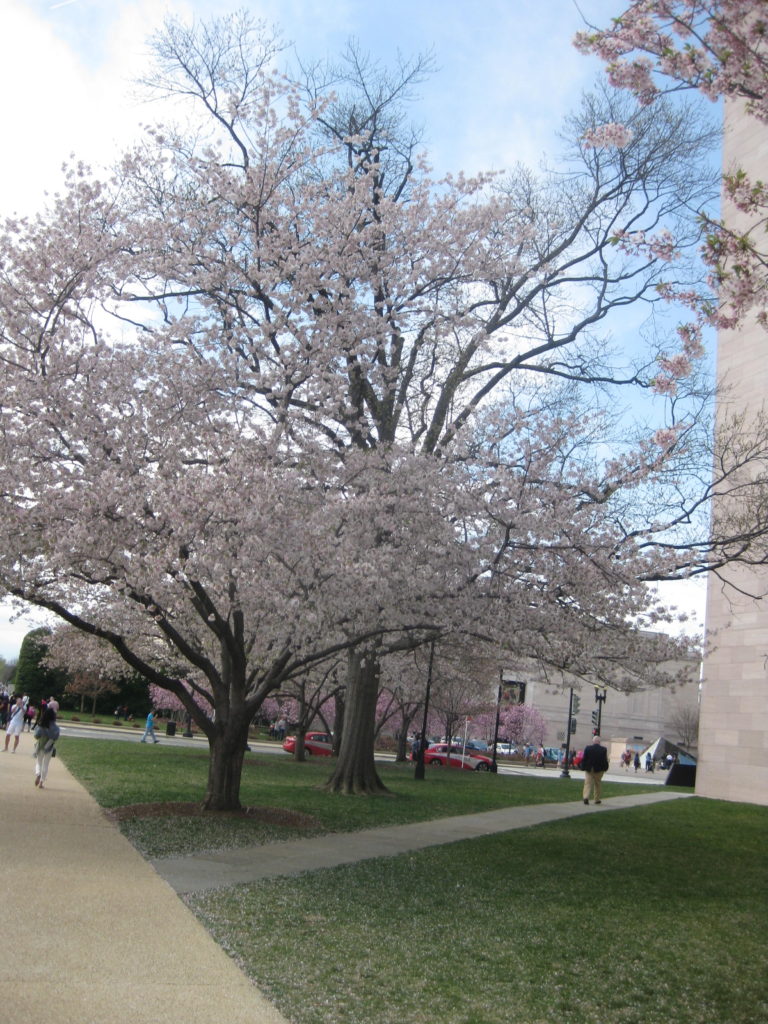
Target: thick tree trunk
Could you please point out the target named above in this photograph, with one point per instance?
(355, 771)
(402, 741)
(299, 751)
(225, 768)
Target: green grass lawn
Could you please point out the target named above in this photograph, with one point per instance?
(120, 773)
(654, 914)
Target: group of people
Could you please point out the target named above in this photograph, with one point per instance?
(278, 729)
(46, 732)
(630, 759)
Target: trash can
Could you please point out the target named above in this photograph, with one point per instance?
(682, 775)
(170, 729)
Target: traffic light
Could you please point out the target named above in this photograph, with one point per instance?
(576, 704)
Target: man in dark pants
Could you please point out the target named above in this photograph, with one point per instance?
(594, 764)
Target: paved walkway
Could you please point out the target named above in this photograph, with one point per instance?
(229, 867)
(94, 934)
(91, 933)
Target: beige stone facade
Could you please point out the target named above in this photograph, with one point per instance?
(733, 736)
(628, 719)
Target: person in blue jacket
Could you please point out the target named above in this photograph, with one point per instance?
(149, 729)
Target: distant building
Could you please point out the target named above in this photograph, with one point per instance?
(636, 719)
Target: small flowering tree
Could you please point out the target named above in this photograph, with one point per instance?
(524, 724)
(91, 685)
(308, 697)
(401, 699)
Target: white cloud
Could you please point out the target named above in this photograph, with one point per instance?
(13, 629)
(67, 77)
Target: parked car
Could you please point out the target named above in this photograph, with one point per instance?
(471, 760)
(459, 741)
(318, 743)
(480, 745)
(506, 749)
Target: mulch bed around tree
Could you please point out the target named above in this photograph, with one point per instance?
(268, 815)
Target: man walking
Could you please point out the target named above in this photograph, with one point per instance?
(594, 764)
(150, 728)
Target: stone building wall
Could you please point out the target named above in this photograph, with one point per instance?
(642, 716)
(733, 735)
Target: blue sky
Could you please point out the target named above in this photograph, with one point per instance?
(506, 75)
(506, 72)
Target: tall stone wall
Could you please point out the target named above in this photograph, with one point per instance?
(733, 732)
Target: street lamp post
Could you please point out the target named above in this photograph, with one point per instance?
(600, 694)
(565, 774)
(419, 772)
(494, 762)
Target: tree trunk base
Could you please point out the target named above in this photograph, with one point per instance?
(356, 785)
(221, 804)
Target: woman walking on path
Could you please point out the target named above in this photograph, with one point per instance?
(15, 724)
(46, 735)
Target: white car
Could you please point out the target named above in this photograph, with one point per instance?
(506, 749)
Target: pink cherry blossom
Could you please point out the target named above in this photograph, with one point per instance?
(717, 47)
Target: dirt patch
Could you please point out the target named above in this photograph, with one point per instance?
(267, 815)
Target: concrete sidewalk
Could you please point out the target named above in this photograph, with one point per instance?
(249, 864)
(92, 934)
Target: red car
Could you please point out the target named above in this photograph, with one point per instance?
(314, 743)
(470, 760)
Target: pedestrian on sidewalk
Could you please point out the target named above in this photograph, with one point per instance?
(594, 764)
(149, 729)
(46, 734)
(15, 724)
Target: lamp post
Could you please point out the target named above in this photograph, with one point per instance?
(419, 772)
(600, 695)
(565, 774)
(494, 763)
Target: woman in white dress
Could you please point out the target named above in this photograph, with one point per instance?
(15, 724)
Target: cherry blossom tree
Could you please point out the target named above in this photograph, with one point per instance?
(717, 47)
(401, 698)
(89, 684)
(310, 695)
(275, 396)
(524, 724)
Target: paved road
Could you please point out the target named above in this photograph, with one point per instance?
(131, 735)
(128, 734)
